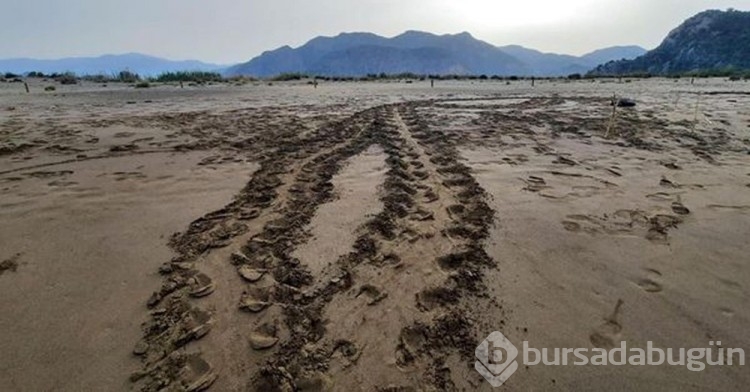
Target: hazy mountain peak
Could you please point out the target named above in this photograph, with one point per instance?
(140, 63)
(356, 54)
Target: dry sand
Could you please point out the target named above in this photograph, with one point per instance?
(364, 236)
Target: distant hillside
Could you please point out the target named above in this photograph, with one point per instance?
(357, 54)
(551, 64)
(108, 64)
(606, 55)
(711, 40)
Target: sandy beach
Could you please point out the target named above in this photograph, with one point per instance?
(369, 235)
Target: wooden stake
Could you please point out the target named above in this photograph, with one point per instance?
(611, 125)
(697, 107)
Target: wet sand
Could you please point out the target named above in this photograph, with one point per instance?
(364, 236)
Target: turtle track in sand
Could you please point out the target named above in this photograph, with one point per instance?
(434, 220)
(173, 322)
(434, 217)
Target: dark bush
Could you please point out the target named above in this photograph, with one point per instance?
(285, 77)
(193, 76)
(67, 78)
(128, 77)
(99, 78)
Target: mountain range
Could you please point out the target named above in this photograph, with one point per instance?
(108, 64)
(709, 41)
(358, 54)
(353, 54)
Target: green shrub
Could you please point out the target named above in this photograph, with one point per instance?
(50, 88)
(143, 85)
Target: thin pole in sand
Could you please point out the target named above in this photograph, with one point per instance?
(26, 85)
(697, 108)
(610, 127)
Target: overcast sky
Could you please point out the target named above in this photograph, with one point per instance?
(230, 31)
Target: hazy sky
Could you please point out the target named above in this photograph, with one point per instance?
(230, 31)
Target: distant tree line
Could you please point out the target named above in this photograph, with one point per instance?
(123, 77)
(294, 76)
(200, 77)
(194, 76)
(732, 73)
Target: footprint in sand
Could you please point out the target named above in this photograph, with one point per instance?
(577, 223)
(659, 227)
(585, 191)
(663, 196)
(571, 226)
(679, 208)
(255, 300)
(200, 285)
(50, 174)
(727, 207)
(411, 342)
(629, 217)
(430, 299)
(61, 184)
(250, 274)
(652, 282)
(667, 183)
(561, 160)
(122, 176)
(608, 335)
(535, 184)
(373, 294)
(264, 336)
(198, 374)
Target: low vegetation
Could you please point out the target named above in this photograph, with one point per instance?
(67, 78)
(192, 76)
